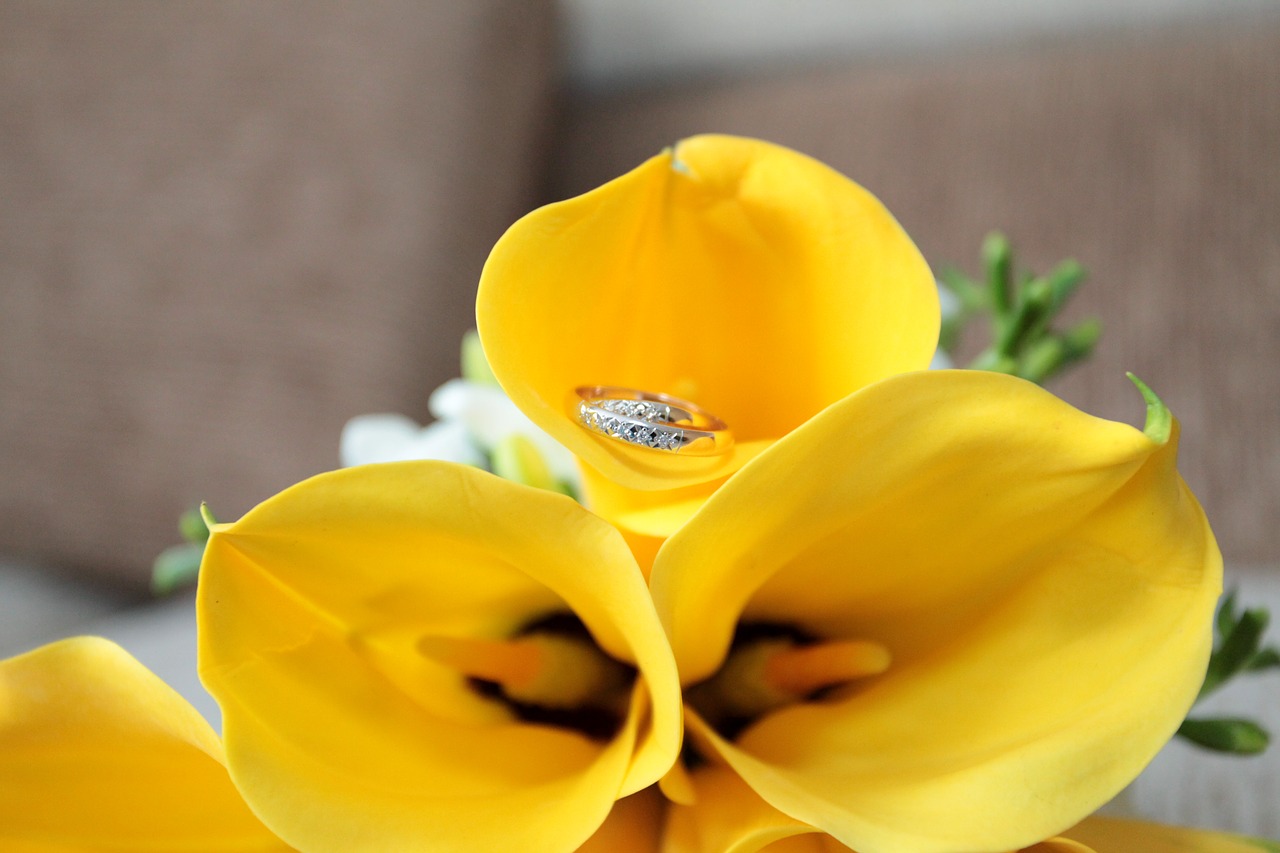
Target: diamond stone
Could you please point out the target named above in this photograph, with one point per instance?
(643, 423)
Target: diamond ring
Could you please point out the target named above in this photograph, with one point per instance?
(651, 420)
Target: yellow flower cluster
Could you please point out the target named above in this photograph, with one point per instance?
(907, 612)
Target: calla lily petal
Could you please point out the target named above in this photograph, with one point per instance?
(1116, 835)
(1041, 582)
(324, 614)
(653, 281)
(634, 825)
(96, 753)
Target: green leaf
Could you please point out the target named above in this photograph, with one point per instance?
(971, 295)
(1237, 736)
(1237, 650)
(1265, 659)
(1159, 424)
(1227, 616)
(176, 567)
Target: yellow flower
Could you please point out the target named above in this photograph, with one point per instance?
(950, 613)
(420, 655)
(730, 817)
(742, 276)
(96, 753)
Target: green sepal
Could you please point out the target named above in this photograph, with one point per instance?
(206, 515)
(1159, 425)
(1226, 734)
(176, 567)
(475, 367)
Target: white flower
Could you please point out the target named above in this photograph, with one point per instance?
(472, 419)
(491, 418)
(396, 438)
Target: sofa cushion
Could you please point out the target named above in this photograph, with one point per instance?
(225, 228)
(1151, 157)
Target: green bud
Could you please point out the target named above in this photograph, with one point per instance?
(991, 360)
(1082, 338)
(998, 257)
(518, 459)
(1038, 294)
(475, 367)
(192, 527)
(1064, 280)
(176, 567)
(1044, 359)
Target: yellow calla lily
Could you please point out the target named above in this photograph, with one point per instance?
(740, 275)
(950, 613)
(422, 655)
(98, 754)
(729, 817)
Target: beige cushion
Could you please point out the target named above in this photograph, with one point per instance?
(227, 227)
(1153, 158)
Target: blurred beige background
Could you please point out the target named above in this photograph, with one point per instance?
(226, 228)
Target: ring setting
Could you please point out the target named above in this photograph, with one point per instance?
(651, 420)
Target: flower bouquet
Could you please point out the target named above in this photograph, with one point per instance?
(752, 577)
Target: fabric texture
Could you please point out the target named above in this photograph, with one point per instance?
(225, 229)
(1149, 156)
